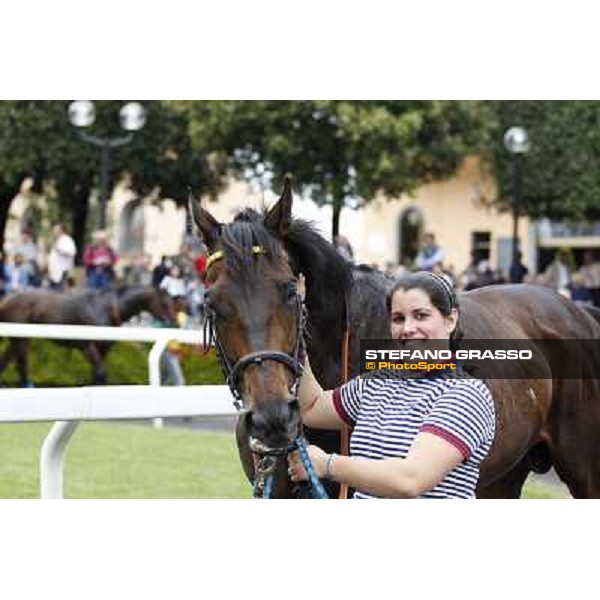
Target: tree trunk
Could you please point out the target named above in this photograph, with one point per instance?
(338, 204)
(81, 205)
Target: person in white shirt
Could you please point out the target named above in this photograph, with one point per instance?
(430, 254)
(174, 284)
(61, 258)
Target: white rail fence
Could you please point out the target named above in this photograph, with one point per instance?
(69, 406)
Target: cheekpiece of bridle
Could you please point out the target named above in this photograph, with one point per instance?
(233, 371)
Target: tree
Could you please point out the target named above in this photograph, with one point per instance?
(36, 140)
(560, 170)
(344, 153)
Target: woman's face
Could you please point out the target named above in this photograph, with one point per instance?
(415, 317)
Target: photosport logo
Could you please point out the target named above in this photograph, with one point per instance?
(482, 359)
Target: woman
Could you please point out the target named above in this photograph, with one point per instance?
(412, 437)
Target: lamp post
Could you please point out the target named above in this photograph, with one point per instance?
(82, 114)
(516, 141)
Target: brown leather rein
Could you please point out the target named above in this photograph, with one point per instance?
(345, 360)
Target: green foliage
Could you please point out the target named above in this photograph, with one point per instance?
(110, 460)
(126, 364)
(560, 171)
(37, 140)
(344, 152)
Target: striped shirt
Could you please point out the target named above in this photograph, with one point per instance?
(387, 414)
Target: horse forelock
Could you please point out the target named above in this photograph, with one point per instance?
(329, 276)
(238, 239)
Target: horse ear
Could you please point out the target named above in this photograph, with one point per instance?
(279, 218)
(209, 227)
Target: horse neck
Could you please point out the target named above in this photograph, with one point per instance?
(131, 301)
(326, 322)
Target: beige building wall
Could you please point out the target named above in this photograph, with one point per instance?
(452, 210)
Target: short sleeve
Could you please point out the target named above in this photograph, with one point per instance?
(346, 400)
(464, 415)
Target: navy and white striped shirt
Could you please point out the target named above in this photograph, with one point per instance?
(387, 414)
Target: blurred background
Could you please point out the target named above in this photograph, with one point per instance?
(507, 190)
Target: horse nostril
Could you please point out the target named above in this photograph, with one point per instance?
(275, 424)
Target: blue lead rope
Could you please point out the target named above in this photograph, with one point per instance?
(318, 491)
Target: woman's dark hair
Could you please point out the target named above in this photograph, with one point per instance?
(440, 292)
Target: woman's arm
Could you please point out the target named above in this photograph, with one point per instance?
(428, 461)
(316, 405)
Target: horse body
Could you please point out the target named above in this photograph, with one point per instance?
(543, 419)
(79, 307)
(540, 422)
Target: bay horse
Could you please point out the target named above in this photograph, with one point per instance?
(80, 307)
(253, 268)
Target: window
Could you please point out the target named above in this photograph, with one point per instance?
(480, 245)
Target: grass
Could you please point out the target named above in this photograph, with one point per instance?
(541, 491)
(120, 460)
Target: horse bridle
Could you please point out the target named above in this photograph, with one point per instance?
(233, 371)
(266, 456)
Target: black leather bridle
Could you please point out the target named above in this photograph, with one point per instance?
(233, 371)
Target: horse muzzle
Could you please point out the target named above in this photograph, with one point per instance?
(273, 426)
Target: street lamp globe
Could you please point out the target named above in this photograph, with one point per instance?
(133, 116)
(516, 140)
(82, 113)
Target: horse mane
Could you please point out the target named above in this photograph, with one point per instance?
(328, 275)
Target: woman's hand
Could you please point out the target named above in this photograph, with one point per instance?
(318, 458)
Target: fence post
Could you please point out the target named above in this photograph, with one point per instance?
(52, 459)
(154, 370)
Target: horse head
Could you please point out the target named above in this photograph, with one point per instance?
(160, 305)
(254, 306)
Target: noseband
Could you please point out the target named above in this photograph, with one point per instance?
(233, 371)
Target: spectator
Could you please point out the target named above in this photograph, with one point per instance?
(3, 284)
(161, 270)
(174, 283)
(200, 264)
(484, 276)
(185, 260)
(429, 255)
(402, 269)
(468, 277)
(170, 365)
(558, 273)
(590, 276)
(518, 270)
(17, 274)
(99, 260)
(61, 258)
(580, 293)
(28, 249)
(140, 272)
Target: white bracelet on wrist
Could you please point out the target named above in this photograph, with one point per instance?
(328, 473)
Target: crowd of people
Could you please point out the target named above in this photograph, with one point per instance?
(580, 284)
(180, 275)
